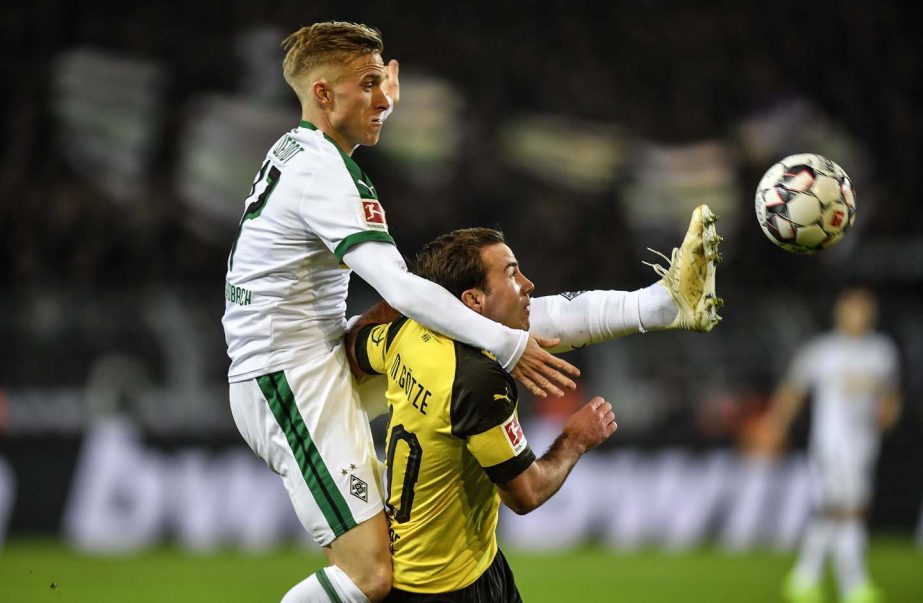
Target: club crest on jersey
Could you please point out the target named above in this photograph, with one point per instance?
(514, 435)
(358, 488)
(374, 214)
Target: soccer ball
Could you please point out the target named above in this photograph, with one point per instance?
(805, 203)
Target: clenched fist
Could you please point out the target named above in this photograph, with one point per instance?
(591, 425)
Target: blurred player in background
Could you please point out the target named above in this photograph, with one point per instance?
(455, 448)
(311, 217)
(852, 374)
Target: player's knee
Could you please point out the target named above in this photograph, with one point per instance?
(375, 581)
(363, 554)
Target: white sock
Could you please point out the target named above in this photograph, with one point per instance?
(656, 307)
(587, 317)
(818, 539)
(849, 555)
(327, 585)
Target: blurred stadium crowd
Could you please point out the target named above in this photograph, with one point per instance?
(131, 137)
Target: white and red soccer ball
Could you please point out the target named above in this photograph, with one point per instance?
(805, 203)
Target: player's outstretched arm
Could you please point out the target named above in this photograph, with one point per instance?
(785, 404)
(534, 369)
(774, 425)
(584, 430)
(382, 267)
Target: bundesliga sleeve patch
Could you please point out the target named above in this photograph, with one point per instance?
(374, 214)
(514, 434)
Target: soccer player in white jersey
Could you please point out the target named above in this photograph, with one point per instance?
(852, 374)
(311, 217)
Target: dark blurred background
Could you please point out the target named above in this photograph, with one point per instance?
(130, 137)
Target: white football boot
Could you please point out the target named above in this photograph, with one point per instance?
(690, 274)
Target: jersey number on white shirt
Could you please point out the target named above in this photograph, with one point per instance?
(256, 208)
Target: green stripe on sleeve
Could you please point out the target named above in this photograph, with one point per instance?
(328, 586)
(282, 404)
(360, 237)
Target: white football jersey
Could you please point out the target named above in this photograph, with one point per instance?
(847, 376)
(286, 285)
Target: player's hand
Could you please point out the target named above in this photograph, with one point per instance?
(591, 425)
(380, 313)
(540, 372)
(889, 410)
(392, 85)
(766, 437)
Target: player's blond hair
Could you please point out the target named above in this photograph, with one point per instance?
(327, 42)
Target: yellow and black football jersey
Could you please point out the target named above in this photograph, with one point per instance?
(453, 431)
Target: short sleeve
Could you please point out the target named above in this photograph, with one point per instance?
(340, 205)
(502, 451)
(891, 364)
(372, 344)
(484, 413)
(800, 370)
(371, 348)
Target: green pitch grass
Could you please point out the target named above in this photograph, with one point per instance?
(47, 571)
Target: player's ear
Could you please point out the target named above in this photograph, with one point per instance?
(474, 299)
(322, 92)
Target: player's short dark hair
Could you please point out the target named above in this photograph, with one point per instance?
(454, 261)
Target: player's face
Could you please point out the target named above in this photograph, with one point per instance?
(506, 299)
(359, 102)
(855, 312)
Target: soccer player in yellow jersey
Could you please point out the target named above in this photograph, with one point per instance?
(455, 448)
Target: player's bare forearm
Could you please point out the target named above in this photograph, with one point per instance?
(531, 488)
(769, 435)
(584, 430)
(785, 405)
(889, 410)
(380, 313)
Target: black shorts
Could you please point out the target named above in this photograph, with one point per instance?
(495, 585)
